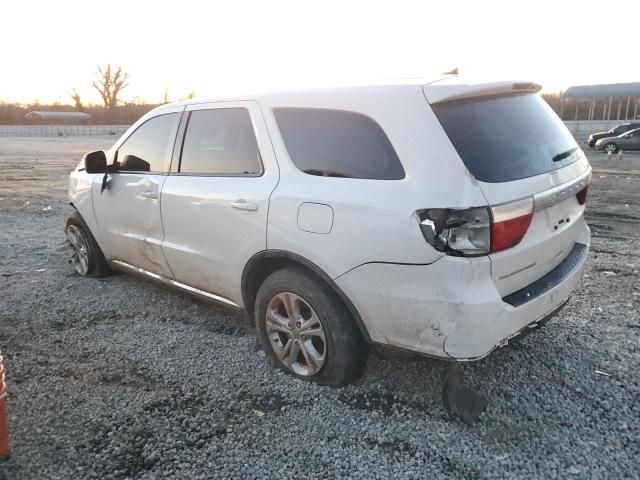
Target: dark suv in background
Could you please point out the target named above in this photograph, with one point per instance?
(614, 132)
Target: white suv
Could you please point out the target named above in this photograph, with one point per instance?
(443, 218)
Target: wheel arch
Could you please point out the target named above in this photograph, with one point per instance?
(264, 263)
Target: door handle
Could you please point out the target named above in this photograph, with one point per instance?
(149, 194)
(242, 204)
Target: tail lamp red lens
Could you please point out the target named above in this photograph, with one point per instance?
(509, 223)
(582, 195)
(476, 231)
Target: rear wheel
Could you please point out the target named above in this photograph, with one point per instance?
(86, 257)
(306, 330)
(611, 147)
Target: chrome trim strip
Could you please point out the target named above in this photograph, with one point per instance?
(560, 193)
(176, 284)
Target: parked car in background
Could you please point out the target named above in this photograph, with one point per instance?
(422, 216)
(614, 132)
(627, 141)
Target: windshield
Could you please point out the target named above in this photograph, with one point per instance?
(508, 137)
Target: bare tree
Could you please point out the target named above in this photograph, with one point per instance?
(109, 84)
(77, 101)
(189, 96)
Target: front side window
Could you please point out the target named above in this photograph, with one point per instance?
(335, 143)
(220, 141)
(148, 148)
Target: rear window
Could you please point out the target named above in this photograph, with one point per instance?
(334, 143)
(506, 138)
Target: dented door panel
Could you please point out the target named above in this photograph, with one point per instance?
(214, 223)
(128, 216)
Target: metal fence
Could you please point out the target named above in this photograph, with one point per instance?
(60, 130)
(580, 129)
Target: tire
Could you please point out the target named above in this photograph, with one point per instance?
(324, 341)
(86, 256)
(611, 147)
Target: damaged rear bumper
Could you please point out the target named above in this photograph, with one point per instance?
(451, 308)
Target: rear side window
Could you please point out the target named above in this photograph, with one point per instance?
(336, 143)
(147, 149)
(220, 141)
(506, 138)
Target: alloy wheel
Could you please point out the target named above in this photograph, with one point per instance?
(79, 249)
(296, 334)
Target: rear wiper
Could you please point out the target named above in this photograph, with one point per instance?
(563, 155)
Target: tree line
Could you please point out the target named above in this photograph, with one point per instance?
(109, 82)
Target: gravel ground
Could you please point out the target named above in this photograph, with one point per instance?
(123, 378)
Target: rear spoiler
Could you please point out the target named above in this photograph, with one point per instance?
(453, 89)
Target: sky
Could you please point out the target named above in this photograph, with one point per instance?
(217, 48)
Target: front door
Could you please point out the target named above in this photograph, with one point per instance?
(216, 199)
(128, 209)
(633, 142)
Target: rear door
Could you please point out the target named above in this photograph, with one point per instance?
(128, 209)
(216, 199)
(517, 147)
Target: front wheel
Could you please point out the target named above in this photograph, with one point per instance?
(611, 147)
(86, 257)
(306, 330)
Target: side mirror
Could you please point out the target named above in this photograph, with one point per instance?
(95, 162)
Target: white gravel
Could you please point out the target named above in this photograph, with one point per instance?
(122, 378)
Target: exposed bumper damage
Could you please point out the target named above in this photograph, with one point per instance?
(449, 309)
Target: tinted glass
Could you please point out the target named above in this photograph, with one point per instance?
(220, 142)
(337, 144)
(149, 147)
(621, 129)
(506, 138)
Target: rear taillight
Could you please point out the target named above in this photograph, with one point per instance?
(509, 223)
(476, 231)
(457, 232)
(582, 195)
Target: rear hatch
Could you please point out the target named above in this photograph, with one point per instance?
(516, 147)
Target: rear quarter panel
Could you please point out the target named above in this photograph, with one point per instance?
(374, 220)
